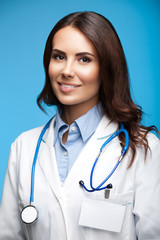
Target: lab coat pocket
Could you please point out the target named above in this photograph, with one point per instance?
(123, 199)
(102, 215)
(126, 199)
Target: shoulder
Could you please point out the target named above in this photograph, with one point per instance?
(152, 158)
(26, 140)
(152, 138)
(23, 148)
(153, 142)
(29, 135)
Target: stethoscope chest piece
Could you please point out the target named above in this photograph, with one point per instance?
(29, 214)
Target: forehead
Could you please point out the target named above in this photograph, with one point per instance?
(71, 38)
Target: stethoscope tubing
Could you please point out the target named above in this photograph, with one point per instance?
(124, 150)
(35, 160)
(99, 187)
(105, 180)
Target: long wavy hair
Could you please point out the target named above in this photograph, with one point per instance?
(115, 93)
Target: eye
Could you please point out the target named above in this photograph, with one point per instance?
(85, 59)
(58, 57)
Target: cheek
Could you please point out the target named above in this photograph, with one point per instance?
(52, 76)
(53, 71)
(89, 75)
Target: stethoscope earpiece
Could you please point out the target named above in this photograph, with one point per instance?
(123, 152)
(109, 186)
(81, 183)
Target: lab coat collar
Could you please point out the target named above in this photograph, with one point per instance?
(88, 155)
(47, 159)
(105, 128)
(49, 134)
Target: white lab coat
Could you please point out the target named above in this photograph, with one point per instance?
(138, 188)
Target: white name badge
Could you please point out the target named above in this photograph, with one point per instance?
(102, 215)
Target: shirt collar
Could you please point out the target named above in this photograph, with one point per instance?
(87, 123)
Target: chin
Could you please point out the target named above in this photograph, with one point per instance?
(68, 101)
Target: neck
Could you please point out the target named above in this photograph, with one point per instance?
(72, 112)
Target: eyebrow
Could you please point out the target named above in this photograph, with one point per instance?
(77, 54)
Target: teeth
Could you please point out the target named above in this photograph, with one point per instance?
(67, 86)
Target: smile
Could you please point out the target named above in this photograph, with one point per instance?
(68, 87)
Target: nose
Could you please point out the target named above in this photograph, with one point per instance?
(68, 70)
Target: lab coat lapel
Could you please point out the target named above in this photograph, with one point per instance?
(47, 161)
(85, 160)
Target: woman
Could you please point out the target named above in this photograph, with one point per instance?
(87, 78)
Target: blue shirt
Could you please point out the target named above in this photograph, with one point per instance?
(79, 133)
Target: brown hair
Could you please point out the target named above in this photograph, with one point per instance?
(115, 93)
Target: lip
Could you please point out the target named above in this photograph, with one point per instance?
(68, 87)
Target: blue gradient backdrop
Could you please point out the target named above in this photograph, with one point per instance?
(24, 27)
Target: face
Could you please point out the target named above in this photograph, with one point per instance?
(74, 68)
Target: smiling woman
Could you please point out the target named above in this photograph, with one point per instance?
(74, 71)
(87, 78)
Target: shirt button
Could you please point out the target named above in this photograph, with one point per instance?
(73, 129)
(65, 153)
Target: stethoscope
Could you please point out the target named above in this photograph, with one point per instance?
(102, 149)
(29, 213)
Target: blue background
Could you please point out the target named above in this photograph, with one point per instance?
(24, 28)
